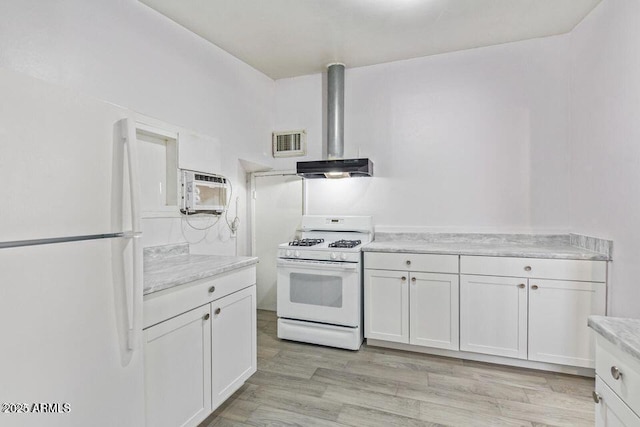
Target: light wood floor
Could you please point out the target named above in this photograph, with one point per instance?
(306, 385)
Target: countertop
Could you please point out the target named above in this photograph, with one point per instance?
(173, 265)
(623, 333)
(505, 245)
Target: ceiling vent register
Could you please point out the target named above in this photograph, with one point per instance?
(290, 143)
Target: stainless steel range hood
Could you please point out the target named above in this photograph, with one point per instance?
(335, 166)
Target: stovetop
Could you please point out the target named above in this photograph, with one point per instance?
(332, 249)
(338, 244)
(334, 246)
(330, 238)
(345, 243)
(306, 242)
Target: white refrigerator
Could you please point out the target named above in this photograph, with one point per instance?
(70, 261)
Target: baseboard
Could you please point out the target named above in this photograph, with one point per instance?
(572, 370)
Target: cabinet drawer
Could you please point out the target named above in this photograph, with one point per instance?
(559, 269)
(431, 263)
(628, 385)
(163, 305)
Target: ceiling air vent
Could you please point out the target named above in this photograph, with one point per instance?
(290, 143)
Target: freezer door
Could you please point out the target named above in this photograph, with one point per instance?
(62, 164)
(65, 312)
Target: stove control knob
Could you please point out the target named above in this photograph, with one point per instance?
(297, 253)
(333, 255)
(287, 252)
(343, 256)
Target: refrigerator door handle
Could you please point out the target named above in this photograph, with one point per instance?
(128, 129)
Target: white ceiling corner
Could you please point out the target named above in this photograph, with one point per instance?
(286, 38)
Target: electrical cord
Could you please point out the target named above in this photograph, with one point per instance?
(201, 215)
(233, 225)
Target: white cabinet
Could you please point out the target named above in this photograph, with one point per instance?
(177, 365)
(617, 393)
(619, 371)
(195, 358)
(503, 307)
(433, 310)
(493, 315)
(403, 304)
(611, 411)
(386, 305)
(527, 317)
(233, 343)
(534, 319)
(539, 268)
(558, 311)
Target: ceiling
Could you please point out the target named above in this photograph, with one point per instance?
(286, 38)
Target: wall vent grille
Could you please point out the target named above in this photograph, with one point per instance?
(290, 143)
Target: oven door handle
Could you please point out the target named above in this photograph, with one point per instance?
(327, 266)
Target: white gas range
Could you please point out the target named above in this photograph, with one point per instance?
(320, 281)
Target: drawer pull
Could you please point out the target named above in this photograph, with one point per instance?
(521, 285)
(408, 262)
(527, 268)
(534, 287)
(596, 397)
(217, 311)
(413, 279)
(615, 373)
(206, 317)
(404, 279)
(212, 289)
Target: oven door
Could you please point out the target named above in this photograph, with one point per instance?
(320, 291)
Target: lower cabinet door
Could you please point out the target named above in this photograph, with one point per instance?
(386, 305)
(558, 312)
(493, 315)
(177, 369)
(433, 310)
(233, 343)
(611, 411)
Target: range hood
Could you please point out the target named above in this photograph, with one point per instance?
(340, 168)
(335, 166)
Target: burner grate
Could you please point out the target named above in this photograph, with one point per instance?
(306, 242)
(345, 244)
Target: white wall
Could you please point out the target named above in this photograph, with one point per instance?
(473, 140)
(605, 141)
(126, 53)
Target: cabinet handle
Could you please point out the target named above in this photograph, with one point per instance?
(413, 279)
(404, 279)
(217, 311)
(596, 397)
(408, 262)
(212, 289)
(521, 285)
(615, 373)
(527, 268)
(534, 287)
(206, 316)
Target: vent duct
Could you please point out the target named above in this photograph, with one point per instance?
(335, 111)
(335, 166)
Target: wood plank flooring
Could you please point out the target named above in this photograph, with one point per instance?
(307, 385)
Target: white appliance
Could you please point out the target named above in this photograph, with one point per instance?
(203, 192)
(70, 260)
(320, 281)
